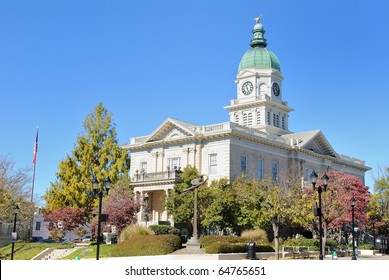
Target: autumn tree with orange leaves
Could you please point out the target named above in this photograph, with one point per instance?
(336, 203)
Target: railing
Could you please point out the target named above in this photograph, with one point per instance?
(351, 159)
(250, 99)
(142, 176)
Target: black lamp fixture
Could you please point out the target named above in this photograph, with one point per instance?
(353, 257)
(14, 234)
(99, 192)
(318, 212)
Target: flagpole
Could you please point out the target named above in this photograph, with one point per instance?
(34, 162)
(33, 181)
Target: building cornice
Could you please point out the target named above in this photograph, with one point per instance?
(231, 130)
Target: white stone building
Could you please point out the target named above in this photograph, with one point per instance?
(255, 140)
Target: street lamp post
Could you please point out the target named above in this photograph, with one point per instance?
(373, 221)
(146, 210)
(14, 234)
(318, 211)
(196, 183)
(354, 257)
(97, 191)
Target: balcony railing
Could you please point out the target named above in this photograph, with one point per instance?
(142, 176)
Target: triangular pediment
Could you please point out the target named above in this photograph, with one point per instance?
(171, 129)
(314, 141)
(246, 74)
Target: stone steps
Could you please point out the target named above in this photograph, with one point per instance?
(58, 253)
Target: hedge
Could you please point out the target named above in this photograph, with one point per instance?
(164, 229)
(229, 244)
(147, 245)
(224, 247)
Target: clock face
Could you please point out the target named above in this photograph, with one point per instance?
(247, 88)
(276, 89)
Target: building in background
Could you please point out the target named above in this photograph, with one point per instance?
(255, 141)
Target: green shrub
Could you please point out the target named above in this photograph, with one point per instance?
(313, 244)
(256, 235)
(147, 245)
(224, 247)
(366, 246)
(134, 230)
(230, 244)
(331, 243)
(164, 229)
(208, 240)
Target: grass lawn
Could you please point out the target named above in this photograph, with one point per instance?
(90, 252)
(26, 251)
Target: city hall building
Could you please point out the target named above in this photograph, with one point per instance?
(256, 139)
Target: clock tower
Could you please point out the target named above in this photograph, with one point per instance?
(259, 101)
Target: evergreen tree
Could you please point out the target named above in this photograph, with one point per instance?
(96, 154)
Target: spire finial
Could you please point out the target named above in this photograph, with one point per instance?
(259, 39)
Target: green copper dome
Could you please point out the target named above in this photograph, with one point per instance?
(259, 56)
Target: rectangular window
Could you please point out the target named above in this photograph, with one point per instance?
(275, 171)
(38, 226)
(307, 175)
(173, 163)
(260, 169)
(212, 163)
(243, 164)
(143, 166)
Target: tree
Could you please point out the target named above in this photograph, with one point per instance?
(248, 202)
(64, 219)
(179, 205)
(96, 154)
(281, 205)
(336, 205)
(219, 206)
(268, 203)
(15, 189)
(121, 207)
(378, 208)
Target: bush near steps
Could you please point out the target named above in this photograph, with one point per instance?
(147, 245)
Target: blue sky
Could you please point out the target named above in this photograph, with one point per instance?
(150, 60)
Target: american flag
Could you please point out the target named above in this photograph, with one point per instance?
(35, 148)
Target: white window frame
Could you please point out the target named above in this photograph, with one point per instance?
(274, 171)
(212, 163)
(173, 162)
(260, 169)
(243, 164)
(143, 166)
